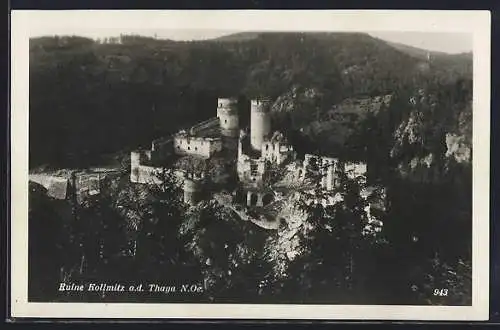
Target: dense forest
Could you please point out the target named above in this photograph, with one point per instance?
(90, 98)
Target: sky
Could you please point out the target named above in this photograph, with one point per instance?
(434, 41)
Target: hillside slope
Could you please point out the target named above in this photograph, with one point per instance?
(130, 90)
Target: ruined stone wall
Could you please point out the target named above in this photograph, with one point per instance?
(259, 198)
(56, 186)
(355, 170)
(251, 171)
(326, 166)
(295, 173)
(87, 185)
(196, 146)
(145, 174)
(276, 152)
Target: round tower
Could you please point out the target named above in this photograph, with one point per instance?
(260, 122)
(227, 112)
(192, 190)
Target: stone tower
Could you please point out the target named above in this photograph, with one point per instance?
(192, 189)
(227, 112)
(135, 163)
(260, 122)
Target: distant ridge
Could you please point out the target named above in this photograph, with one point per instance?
(252, 35)
(421, 53)
(239, 36)
(415, 52)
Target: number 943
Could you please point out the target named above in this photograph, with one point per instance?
(441, 292)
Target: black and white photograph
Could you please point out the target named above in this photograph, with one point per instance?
(248, 161)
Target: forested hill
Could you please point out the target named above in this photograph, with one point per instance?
(422, 53)
(460, 63)
(92, 97)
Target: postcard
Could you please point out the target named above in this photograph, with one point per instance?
(250, 164)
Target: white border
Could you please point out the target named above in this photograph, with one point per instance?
(477, 23)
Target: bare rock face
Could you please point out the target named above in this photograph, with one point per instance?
(409, 132)
(286, 245)
(459, 141)
(285, 102)
(458, 148)
(294, 99)
(432, 136)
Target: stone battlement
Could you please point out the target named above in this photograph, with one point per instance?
(227, 105)
(260, 105)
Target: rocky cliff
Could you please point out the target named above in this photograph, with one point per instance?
(435, 133)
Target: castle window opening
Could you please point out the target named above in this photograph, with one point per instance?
(253, 199)
(225, 121)
(189, 148)
(267, 146)
(313, 163)
(253, 169)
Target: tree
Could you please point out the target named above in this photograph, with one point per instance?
(159, 250)
(333, 256)
(47, 242)
(445, 284)
(225, 249)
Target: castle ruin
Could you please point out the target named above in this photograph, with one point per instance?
(255, 153)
